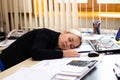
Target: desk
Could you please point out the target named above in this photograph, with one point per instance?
(102, 72)
(26, 63)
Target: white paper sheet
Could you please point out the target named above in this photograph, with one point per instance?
(64, 77)
(85, 47)
(30, 74)
(6, 43)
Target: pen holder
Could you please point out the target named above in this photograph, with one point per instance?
(96, 27)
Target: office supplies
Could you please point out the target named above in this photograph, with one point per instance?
(81, 63)
(104, 45)
(118, 35)
(30, 74)
(56, 69)
(5, 44)
(93, 54)
(116, 70)
(76, 68)
(118, 42)
(64, 77)
(96, 27)
(11, 37)
(14, 34)
(83, 51)
(84, 48)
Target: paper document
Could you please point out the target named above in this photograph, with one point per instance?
(64, 77)
(50, 64)
(85, 47)
(6, 43)
(55, 69)
(30, 74)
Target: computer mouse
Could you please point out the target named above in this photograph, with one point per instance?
(93, 54)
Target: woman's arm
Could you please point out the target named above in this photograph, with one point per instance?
(42, 54)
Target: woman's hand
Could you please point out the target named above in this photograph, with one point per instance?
(70, 53)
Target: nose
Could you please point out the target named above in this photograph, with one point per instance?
(69, 44)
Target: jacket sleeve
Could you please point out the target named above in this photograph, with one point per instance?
(42, 54)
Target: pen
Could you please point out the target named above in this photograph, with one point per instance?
(83, 51)
(116, 74)
(118, 66)
(116, 70)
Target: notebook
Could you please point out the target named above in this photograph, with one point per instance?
(106, 45)
(75, 69)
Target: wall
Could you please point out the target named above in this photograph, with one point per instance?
(31, 14)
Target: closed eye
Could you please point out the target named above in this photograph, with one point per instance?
(71, 39)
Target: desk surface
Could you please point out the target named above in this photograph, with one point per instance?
(26, 63)
(104, 71)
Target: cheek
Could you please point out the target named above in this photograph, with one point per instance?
(78, 43)
(63, 40)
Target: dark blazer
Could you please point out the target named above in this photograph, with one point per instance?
(39, 44)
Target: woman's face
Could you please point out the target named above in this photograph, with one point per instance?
(68, 41)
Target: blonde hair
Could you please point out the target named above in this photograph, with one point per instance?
(76, 32)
